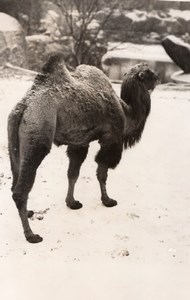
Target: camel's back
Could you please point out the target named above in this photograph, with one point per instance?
(94, 77)
(95, 91)
(87, 94)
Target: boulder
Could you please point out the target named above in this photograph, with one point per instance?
(12, 42)
(152, 38)
(179, 52)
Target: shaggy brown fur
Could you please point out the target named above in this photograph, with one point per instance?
(74, 110)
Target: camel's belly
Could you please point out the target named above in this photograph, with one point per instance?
(76, 136)
(75, 127)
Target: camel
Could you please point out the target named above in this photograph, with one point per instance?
(74, 110)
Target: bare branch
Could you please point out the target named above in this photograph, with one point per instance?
(78, 15)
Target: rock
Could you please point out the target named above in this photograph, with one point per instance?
(135, 25)
(179, 52)
(116, 26)
(152, 38)
(12, 42)
(186, 37)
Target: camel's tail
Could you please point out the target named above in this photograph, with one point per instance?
(14, 120)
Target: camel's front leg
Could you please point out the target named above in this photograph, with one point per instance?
(102, 174)
(108, 157)
(76, 156)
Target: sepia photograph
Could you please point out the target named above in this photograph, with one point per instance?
(94, 149)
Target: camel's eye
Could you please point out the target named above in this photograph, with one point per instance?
(141, 75)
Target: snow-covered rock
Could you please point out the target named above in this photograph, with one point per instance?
(12, 42)
(179, 52)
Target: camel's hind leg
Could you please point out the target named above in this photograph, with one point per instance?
(76, 156)
(27, 172)
(14, 159)
(15, 167)
(108, 157)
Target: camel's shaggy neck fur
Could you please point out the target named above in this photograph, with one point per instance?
(136, 106)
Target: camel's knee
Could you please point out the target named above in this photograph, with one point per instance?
(109, 156)
(23, 186)
(18, 199)
(15, 174)
(21, 202)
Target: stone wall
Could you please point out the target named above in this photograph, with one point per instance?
(140, 26)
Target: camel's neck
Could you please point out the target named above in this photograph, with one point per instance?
(135, 119)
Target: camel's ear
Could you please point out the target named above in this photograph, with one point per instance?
(141, 75)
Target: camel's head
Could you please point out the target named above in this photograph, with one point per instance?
(145, 75)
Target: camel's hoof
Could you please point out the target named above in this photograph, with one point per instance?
(35, 238)
(30, 213)
(74, 205)
(109, 202)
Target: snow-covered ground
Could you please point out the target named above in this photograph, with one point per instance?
(139, 249)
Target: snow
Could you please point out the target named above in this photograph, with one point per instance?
(184, 14)
(8, 23)
(137, 51)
